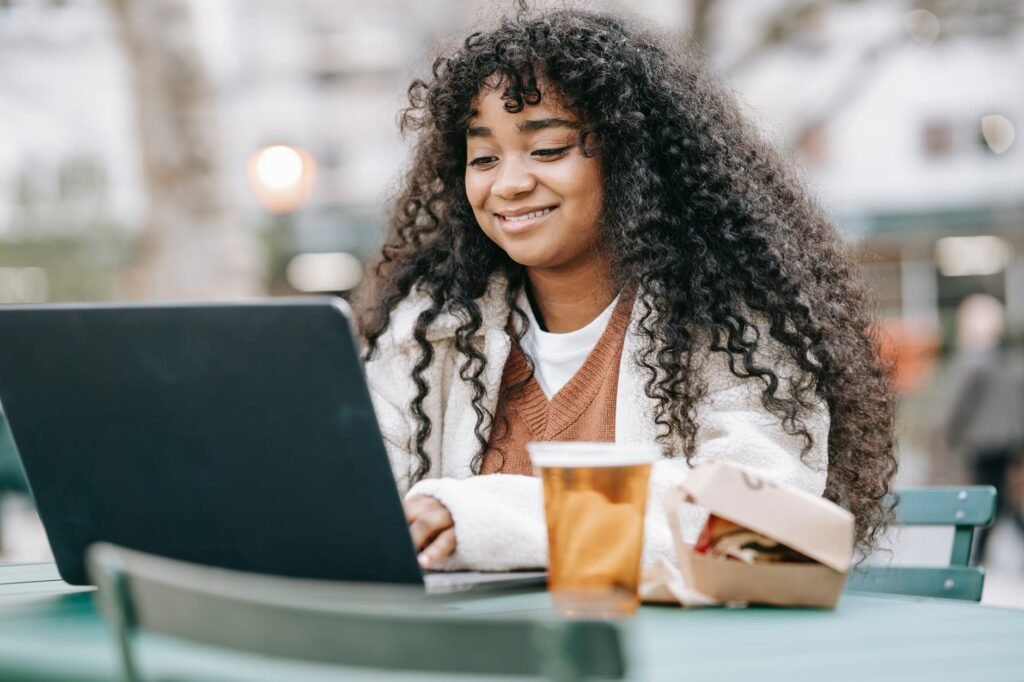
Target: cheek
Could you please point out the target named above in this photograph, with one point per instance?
(580, 179)
(589, 189)
(477, 190)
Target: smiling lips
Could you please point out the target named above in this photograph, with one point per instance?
(519, 223)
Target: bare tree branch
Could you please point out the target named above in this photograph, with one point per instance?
(778, 30)
(700, 23)
(852, 85)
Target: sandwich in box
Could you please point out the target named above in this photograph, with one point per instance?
(764, 542)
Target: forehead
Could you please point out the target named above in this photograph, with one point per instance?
(488, 106)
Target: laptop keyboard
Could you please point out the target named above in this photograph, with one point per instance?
(463, 581)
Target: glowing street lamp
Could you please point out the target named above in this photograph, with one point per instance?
(281, 176)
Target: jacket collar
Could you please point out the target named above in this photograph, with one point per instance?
(493, 310)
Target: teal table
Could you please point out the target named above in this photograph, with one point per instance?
(47, 634)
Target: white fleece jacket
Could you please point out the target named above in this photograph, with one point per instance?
(499, 519)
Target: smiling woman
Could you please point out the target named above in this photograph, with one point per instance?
(591, 244)
(537, 196)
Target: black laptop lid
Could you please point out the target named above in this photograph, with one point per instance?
(236, 435)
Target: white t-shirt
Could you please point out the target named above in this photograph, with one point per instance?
(557, 357)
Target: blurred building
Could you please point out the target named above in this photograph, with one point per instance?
(904, 119)
(904, 116)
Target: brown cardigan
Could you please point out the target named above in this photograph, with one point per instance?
(584, 409)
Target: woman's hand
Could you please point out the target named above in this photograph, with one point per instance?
(431, 527)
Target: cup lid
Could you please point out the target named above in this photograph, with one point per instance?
(585, 454)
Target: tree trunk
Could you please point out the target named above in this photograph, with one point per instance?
(193, 245)
(700, 24)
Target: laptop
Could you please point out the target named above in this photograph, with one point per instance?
(238, 435)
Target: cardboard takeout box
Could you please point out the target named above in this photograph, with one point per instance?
(811, 525)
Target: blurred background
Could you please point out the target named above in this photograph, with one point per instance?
(168, 149)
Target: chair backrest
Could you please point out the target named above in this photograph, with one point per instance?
(964, 508)
(346, 624)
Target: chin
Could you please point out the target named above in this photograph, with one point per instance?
(528, 258)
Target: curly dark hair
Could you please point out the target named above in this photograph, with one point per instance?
(712, 221)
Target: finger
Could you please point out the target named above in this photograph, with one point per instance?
(428, 525)
(442, 547)
(422, 532)
(414, 506)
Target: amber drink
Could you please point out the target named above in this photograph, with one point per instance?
(595, 495)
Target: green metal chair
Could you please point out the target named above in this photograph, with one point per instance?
(383, 628)
(965, 508)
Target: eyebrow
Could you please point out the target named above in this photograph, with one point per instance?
(530, 126)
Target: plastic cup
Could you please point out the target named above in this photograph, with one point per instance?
(595, 496)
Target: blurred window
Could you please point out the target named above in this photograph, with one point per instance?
(965, 136)
(938, 139)
(996, 18)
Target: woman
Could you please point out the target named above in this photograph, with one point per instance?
(591, 244)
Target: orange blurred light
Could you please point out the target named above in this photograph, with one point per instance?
(281, 176)
(912, 346)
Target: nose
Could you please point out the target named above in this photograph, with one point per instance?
(514, 178)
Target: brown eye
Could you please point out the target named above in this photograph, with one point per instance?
(552, 153)
(482, 161)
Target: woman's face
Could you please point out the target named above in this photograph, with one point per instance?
(532, 191)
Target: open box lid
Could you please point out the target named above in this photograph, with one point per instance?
(804, 522)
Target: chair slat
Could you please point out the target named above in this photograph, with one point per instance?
(960, 582)
(435, 643)
(963, 508)
(368, 626)
(947, 506)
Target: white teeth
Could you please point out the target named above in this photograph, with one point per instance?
(533, 214)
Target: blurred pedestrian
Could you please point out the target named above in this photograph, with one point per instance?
(984, 421)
